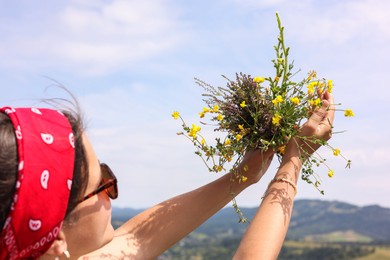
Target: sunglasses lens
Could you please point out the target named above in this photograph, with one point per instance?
(108, 176)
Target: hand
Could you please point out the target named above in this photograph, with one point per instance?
(256, 162)
(317, 128)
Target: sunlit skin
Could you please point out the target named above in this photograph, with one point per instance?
(88, 234)
(89, 224)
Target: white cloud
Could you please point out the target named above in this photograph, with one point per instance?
(95, 38)
(345, 40)
(260, 3)
(339, 23)
(331, 22)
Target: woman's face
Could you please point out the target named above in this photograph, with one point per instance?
(89, 226)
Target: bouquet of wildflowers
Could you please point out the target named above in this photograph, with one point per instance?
(260, 113)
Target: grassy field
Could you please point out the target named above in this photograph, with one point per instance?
(340, 236)
(307, 249)
(381, 253)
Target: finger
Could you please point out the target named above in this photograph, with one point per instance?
(319, 118)
(331, 109)
(327, 124)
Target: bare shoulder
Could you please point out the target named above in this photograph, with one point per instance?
(122, 246)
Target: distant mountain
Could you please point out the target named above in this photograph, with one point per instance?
(316, 218)
(312, 220)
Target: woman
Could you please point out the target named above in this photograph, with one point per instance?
(79, 213)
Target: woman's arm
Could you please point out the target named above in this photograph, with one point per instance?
(266, 233)
(155, 230)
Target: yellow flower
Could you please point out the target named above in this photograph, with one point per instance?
(217, 168)
(206, 109)
(276, 78)
(281, 149)
(175, 115)
(219, 117)
(330, 173)
(311, 86)
(246, 168)
(238, 137)
(216, 108)
(280, 60)
(348, 113)
(243, 104)
(330, 86)
(314, 83)
(241, 127)
(276, 119)
(228, 142)
(277, 100)
(310, 89)
(336, 152)
(295, 100)
(315, 102)
(194, 129)
(243, 178)
(258, 79)
(203, 141)
(201, 114)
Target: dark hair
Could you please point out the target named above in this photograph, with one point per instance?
(9, 164)
(80, 170)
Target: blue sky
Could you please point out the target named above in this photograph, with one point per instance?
(131, 63)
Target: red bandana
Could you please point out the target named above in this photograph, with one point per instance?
(46, 160)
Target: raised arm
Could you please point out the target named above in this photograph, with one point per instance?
(153, 231)
(266, 232)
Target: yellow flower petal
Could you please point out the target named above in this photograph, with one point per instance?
(295, 100)
(348, 113)
(276, 119)
(259, 79)
(281, 149)
(194, 130)
(315, 102)
(175, 114)
(330, 86)
(277, 100)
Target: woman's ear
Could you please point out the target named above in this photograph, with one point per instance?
(59, 246)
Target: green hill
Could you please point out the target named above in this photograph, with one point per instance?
(318, 230)
(312, 220)
(319, 218)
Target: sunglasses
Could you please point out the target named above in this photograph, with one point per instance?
(109, 184)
